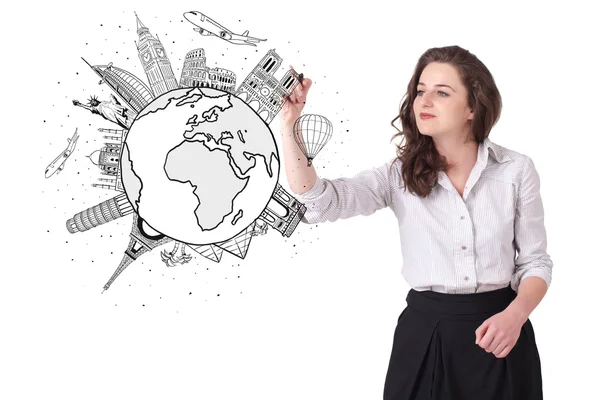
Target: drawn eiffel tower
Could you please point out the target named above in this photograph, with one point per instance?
(140, 243)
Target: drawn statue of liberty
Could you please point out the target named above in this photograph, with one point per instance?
(111, 110)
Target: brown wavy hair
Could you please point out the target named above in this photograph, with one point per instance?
(420, 159)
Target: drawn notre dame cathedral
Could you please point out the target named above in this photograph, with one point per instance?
(262, 91)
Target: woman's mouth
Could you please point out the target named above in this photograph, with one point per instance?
(426, 116)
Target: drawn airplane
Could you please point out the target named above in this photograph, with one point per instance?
(59, 162)
(207, 27)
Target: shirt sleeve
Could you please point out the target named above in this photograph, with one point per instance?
(530, 233)
(341, 198)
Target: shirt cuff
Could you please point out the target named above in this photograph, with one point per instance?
(539, 272)
(313, 192)
(310, 199)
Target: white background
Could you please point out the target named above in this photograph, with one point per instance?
(306, 317)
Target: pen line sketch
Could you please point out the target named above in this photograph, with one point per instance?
(209, 251)
(141, 241)
(261, 91)
(153, 57)
(108, 210)
(195, 73)
(127, 86)
(171, 258)
(190, 185)
(59, 162)
(311, 133)
(111, 110)
(209, 27)
(108, 158)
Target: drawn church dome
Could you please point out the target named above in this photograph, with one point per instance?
(95, 157)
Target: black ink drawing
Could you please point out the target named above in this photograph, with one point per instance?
(287, 222)
(312, 132)
(59, 162)
(127, 86)
(171, 258)
(239, 244)
(209, 251)
(209, 213)
(260, 228)
(155, 61)
(111, 110)
(108, 159)
(299, 77)
(195, 73)
(262, 91)
(209, 27)
(102, 213)
(142, 239)
(115, 134)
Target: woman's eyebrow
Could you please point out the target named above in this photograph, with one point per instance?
(438, 85)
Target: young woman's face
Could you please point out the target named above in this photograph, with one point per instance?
(441, 93)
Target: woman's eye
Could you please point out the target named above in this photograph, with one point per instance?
(444, 94)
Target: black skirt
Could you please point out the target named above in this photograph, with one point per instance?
(434, 355)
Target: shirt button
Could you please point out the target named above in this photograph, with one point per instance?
(462, 217)
(466, 278)
(463, 247)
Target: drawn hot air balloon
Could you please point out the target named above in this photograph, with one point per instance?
(312, 132)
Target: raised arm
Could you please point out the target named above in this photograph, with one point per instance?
(77, 103)
(341, 198)
(300, 177)
(329, 199)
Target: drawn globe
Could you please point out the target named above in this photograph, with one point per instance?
(199, 165)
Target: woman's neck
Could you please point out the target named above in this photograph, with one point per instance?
(460, 154)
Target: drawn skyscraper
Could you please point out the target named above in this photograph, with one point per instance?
(155, 61)
(262, 91)
(126, 85)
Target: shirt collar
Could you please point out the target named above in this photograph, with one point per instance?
(496, 151)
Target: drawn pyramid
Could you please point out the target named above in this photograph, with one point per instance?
(209, 251)
(239, 244)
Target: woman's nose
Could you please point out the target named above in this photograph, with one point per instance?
(426, 99)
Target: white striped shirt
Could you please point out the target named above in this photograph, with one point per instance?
(452, 244)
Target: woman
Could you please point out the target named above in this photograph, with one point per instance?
(464, 205)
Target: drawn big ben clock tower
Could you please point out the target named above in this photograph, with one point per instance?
(155, 61)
